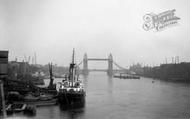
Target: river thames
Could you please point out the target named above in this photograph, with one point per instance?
(111, 98)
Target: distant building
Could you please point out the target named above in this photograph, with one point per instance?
(137, 68)
(17, 69)
(3, 63)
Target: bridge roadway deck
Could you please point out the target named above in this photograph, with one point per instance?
(105, 70)
(98, 59)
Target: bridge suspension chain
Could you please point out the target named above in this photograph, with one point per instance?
(119, 66)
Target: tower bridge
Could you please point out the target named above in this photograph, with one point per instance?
(110, 71)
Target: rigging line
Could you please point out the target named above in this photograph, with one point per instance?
(80, 63)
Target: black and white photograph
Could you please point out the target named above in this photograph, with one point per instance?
(94, 59)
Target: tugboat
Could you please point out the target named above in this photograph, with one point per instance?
(71, 92)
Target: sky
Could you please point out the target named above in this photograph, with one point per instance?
(52, 28)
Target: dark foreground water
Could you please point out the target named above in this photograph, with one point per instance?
(124, 99)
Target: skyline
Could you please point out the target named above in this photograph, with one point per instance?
(53, 28)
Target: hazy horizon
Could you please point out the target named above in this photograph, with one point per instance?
(53, 28)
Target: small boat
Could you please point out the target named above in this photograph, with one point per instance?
(42, 100)
(17, 107)
(30, 98)
(21, 107)
(126, 76)
(71, 91)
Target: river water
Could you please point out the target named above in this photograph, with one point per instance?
(111, 98)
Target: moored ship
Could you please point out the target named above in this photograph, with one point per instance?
(71, 91)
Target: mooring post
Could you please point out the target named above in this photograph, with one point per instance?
(3, 99)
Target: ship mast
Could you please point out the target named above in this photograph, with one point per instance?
(71, 69)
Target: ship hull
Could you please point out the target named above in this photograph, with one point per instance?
(72, 100)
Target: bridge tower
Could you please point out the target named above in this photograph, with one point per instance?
(110, 65)
(85, 64)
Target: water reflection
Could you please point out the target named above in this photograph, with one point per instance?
(108, 97)
(73, 113)
(85, 81)
(51, 113)
(110, 85)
